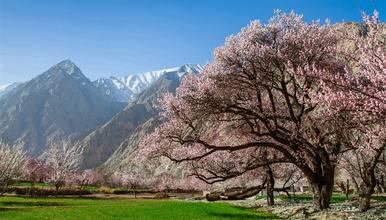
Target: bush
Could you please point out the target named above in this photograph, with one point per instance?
(161, 196)
(105, 190)
(213, 197)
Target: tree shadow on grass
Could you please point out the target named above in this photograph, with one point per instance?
(240, 216)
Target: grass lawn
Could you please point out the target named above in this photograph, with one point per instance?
(113, 208)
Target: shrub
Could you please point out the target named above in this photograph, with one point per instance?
(161, 196)
(105, 190)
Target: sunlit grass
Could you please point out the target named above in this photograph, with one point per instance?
(36, 184)
(87, 208)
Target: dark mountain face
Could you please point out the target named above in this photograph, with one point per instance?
(52, 106)
(128, 149)
(123, 132)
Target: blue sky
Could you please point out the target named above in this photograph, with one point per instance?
(122, 37)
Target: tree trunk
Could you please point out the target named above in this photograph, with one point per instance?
(365, 193)
(57, 189)
(366, 189)
(342, 187)
(32, 189)
(321, 185)
(368, 180)
(245, 193)
(3, 189)
(347, 189)
(379, 190)
(321, 196)
(356, 188)
(270, 185)
(135, 193)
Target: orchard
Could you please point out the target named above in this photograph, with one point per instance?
(285, 101)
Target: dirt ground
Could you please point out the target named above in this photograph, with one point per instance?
(304, 210)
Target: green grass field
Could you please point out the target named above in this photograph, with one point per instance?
(128, 208)
(90, 208)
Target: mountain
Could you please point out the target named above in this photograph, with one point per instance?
(52, 106)
(62, 104)
(129, 147)
(6, 88)
(121, 132)
(126, 88)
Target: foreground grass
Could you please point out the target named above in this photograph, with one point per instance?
(88, 208)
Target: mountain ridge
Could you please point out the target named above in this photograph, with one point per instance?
(103, 142)
(63, 104)
(121, 89)
(51, 106)
(125, 88)
(4, 89)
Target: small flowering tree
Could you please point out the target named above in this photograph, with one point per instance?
(116, 180)
(63, 161)
(95, 178)
(191, 183)
(164, 181)
(36, 171)
(135, 176)
(369, 110)
(12, 163)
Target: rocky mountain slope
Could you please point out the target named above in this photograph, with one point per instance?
(52, 106)
(6, 88)
(123, 132)
(62, 104)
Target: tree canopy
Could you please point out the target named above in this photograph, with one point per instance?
(275, 93)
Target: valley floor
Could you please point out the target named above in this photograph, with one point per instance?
(284, 208)
(288, 209)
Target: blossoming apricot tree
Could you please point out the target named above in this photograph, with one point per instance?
(63, 160)
(277, 93)
(249, 108)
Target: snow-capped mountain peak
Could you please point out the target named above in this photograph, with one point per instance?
(191, 68)
(6, 88)
(126, 88)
